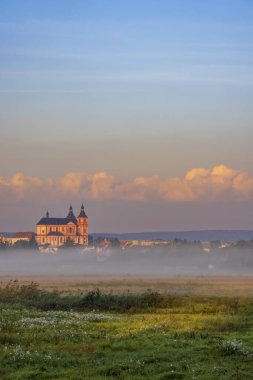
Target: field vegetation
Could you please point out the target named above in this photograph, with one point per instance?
(149, 335)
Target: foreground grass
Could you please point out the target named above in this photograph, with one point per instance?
(134, 336)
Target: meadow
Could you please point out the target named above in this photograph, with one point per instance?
(92, 334)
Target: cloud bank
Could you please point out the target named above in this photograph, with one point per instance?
(198, 184)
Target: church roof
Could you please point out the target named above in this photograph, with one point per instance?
(56, 221)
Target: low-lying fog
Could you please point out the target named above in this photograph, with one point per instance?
(165, 261)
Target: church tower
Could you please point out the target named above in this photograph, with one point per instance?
(71, 215)
(82, 221)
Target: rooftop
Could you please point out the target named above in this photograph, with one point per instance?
(56, 221)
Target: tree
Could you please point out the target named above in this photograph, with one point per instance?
(90, 240)
(4, 245)
(24, 244)
(33, 243)
(115, 243)
(68, 244)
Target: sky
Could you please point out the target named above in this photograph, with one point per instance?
(141, 109)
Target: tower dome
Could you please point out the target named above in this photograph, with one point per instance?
(82, 213)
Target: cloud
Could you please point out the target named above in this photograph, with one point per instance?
(198, 184)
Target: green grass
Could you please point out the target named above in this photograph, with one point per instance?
(47, 335)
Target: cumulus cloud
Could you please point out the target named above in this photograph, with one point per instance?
(198, 184)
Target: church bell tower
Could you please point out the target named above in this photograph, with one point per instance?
(82, 220)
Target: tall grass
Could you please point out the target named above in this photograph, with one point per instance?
(21, 296)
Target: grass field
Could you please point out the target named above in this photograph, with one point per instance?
(79, 334)
(241, 286)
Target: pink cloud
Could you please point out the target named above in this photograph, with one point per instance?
(198, 184)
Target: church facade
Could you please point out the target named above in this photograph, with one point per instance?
(57, 231)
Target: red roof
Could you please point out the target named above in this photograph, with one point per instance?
(24, 234)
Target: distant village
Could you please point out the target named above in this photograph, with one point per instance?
(54, 234)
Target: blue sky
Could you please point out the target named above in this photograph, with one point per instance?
(134, 88)
(88, 45)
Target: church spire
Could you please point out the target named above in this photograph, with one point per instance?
(71, 214)
(82, 212)
(47, 214)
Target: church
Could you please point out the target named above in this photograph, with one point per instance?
(56, 231)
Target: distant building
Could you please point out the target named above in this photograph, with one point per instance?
(56, 231)
(12, 238)
(144, 243)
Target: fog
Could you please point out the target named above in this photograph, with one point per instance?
(164, 261)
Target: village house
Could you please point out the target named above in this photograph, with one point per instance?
(12, 238)
(57, 231)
